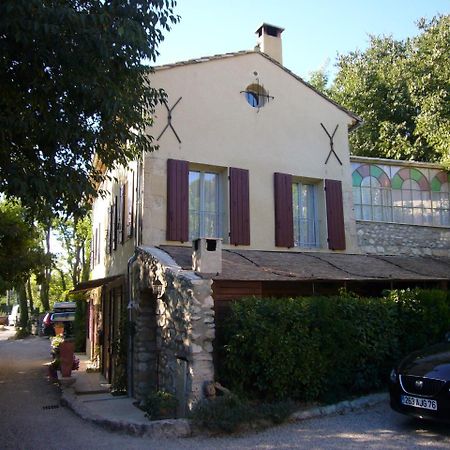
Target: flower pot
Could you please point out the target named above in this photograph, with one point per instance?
(59, 329)
(66, 351)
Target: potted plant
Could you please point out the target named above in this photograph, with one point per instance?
(63, 357)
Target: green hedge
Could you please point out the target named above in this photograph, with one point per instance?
(326, 348)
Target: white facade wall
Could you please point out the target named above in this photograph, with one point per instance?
(219, 129)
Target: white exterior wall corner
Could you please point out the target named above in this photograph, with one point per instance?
(116, 262)
(218, 128)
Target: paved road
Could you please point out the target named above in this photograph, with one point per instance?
(31, 419)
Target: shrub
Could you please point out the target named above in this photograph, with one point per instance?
(326, 348)
(229, 413)
(159, 405)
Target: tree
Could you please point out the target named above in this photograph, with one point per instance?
(75, 236)
(20, 251)
(402, 91)
(74, 83)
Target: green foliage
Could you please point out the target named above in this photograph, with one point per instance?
(229, 413)
(20, 251)
(159, 405)
(401, 89)
(74, 83)
(326, 348)
(120, 352)
(79, 325)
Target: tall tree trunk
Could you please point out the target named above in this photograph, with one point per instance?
(63, 280)
(22, 295)
(76, 266)
(30, 296)
(46, 273)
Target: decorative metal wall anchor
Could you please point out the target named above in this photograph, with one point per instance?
(331, 137)
(169, 120)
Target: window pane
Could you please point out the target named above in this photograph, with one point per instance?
(397, 197)
(356, 196)
(367, 212)
(204, 216)
(398, 214)
(387, 214)
(376, 196)
(417, 216)
(194, 205)
(210, 192)
(366, 196)
(304, 212)
(377, 213)
(407, 215)
(427, 217)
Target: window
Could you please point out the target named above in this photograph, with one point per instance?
(204, 205)
(256, 95)
(406, 196)
(441, 205)
(372, 200)
(296, 213)
(198, 205)
(304, 209)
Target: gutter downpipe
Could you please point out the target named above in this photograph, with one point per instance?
(130, 307)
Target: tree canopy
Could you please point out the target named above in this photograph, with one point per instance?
(401, 89)
(73, 83)
(20, 251)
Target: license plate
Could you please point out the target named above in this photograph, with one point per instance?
(419, 402)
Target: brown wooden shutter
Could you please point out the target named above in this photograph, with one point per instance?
(121, 214)
(239, 207)
(335, 215)
(108, 233)
(130, 208)
(284, 221)
(177, 200)
(98, 242)
(115, 226)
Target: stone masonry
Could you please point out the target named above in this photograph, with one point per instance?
(397, 239)
(174, 321)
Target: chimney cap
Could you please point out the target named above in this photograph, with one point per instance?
(271, 30)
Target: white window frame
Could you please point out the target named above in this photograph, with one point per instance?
(218, 213)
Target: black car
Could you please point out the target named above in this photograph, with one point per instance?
(420, 385)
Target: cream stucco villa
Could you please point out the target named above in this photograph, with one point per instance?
(251, 192)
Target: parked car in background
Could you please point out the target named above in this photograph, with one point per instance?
(14, 317)
(420, 385)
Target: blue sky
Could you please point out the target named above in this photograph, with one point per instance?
(315, 30)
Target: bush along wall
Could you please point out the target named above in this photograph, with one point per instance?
(326, 348)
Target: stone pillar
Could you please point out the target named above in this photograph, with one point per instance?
(179, 347)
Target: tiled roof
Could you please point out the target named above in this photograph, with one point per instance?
(254, 265)
(356, 119)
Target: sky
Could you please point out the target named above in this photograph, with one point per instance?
(316, 31)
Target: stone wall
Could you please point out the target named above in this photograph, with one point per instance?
(174, 328)
(398, 239)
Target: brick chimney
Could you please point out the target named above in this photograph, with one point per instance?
(269, 41)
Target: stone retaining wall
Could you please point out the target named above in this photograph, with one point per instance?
(397, 239)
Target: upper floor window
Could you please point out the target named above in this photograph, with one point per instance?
(401, 195)
(200, 199)
(304, 209)
(297, 218)
(204, 205)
